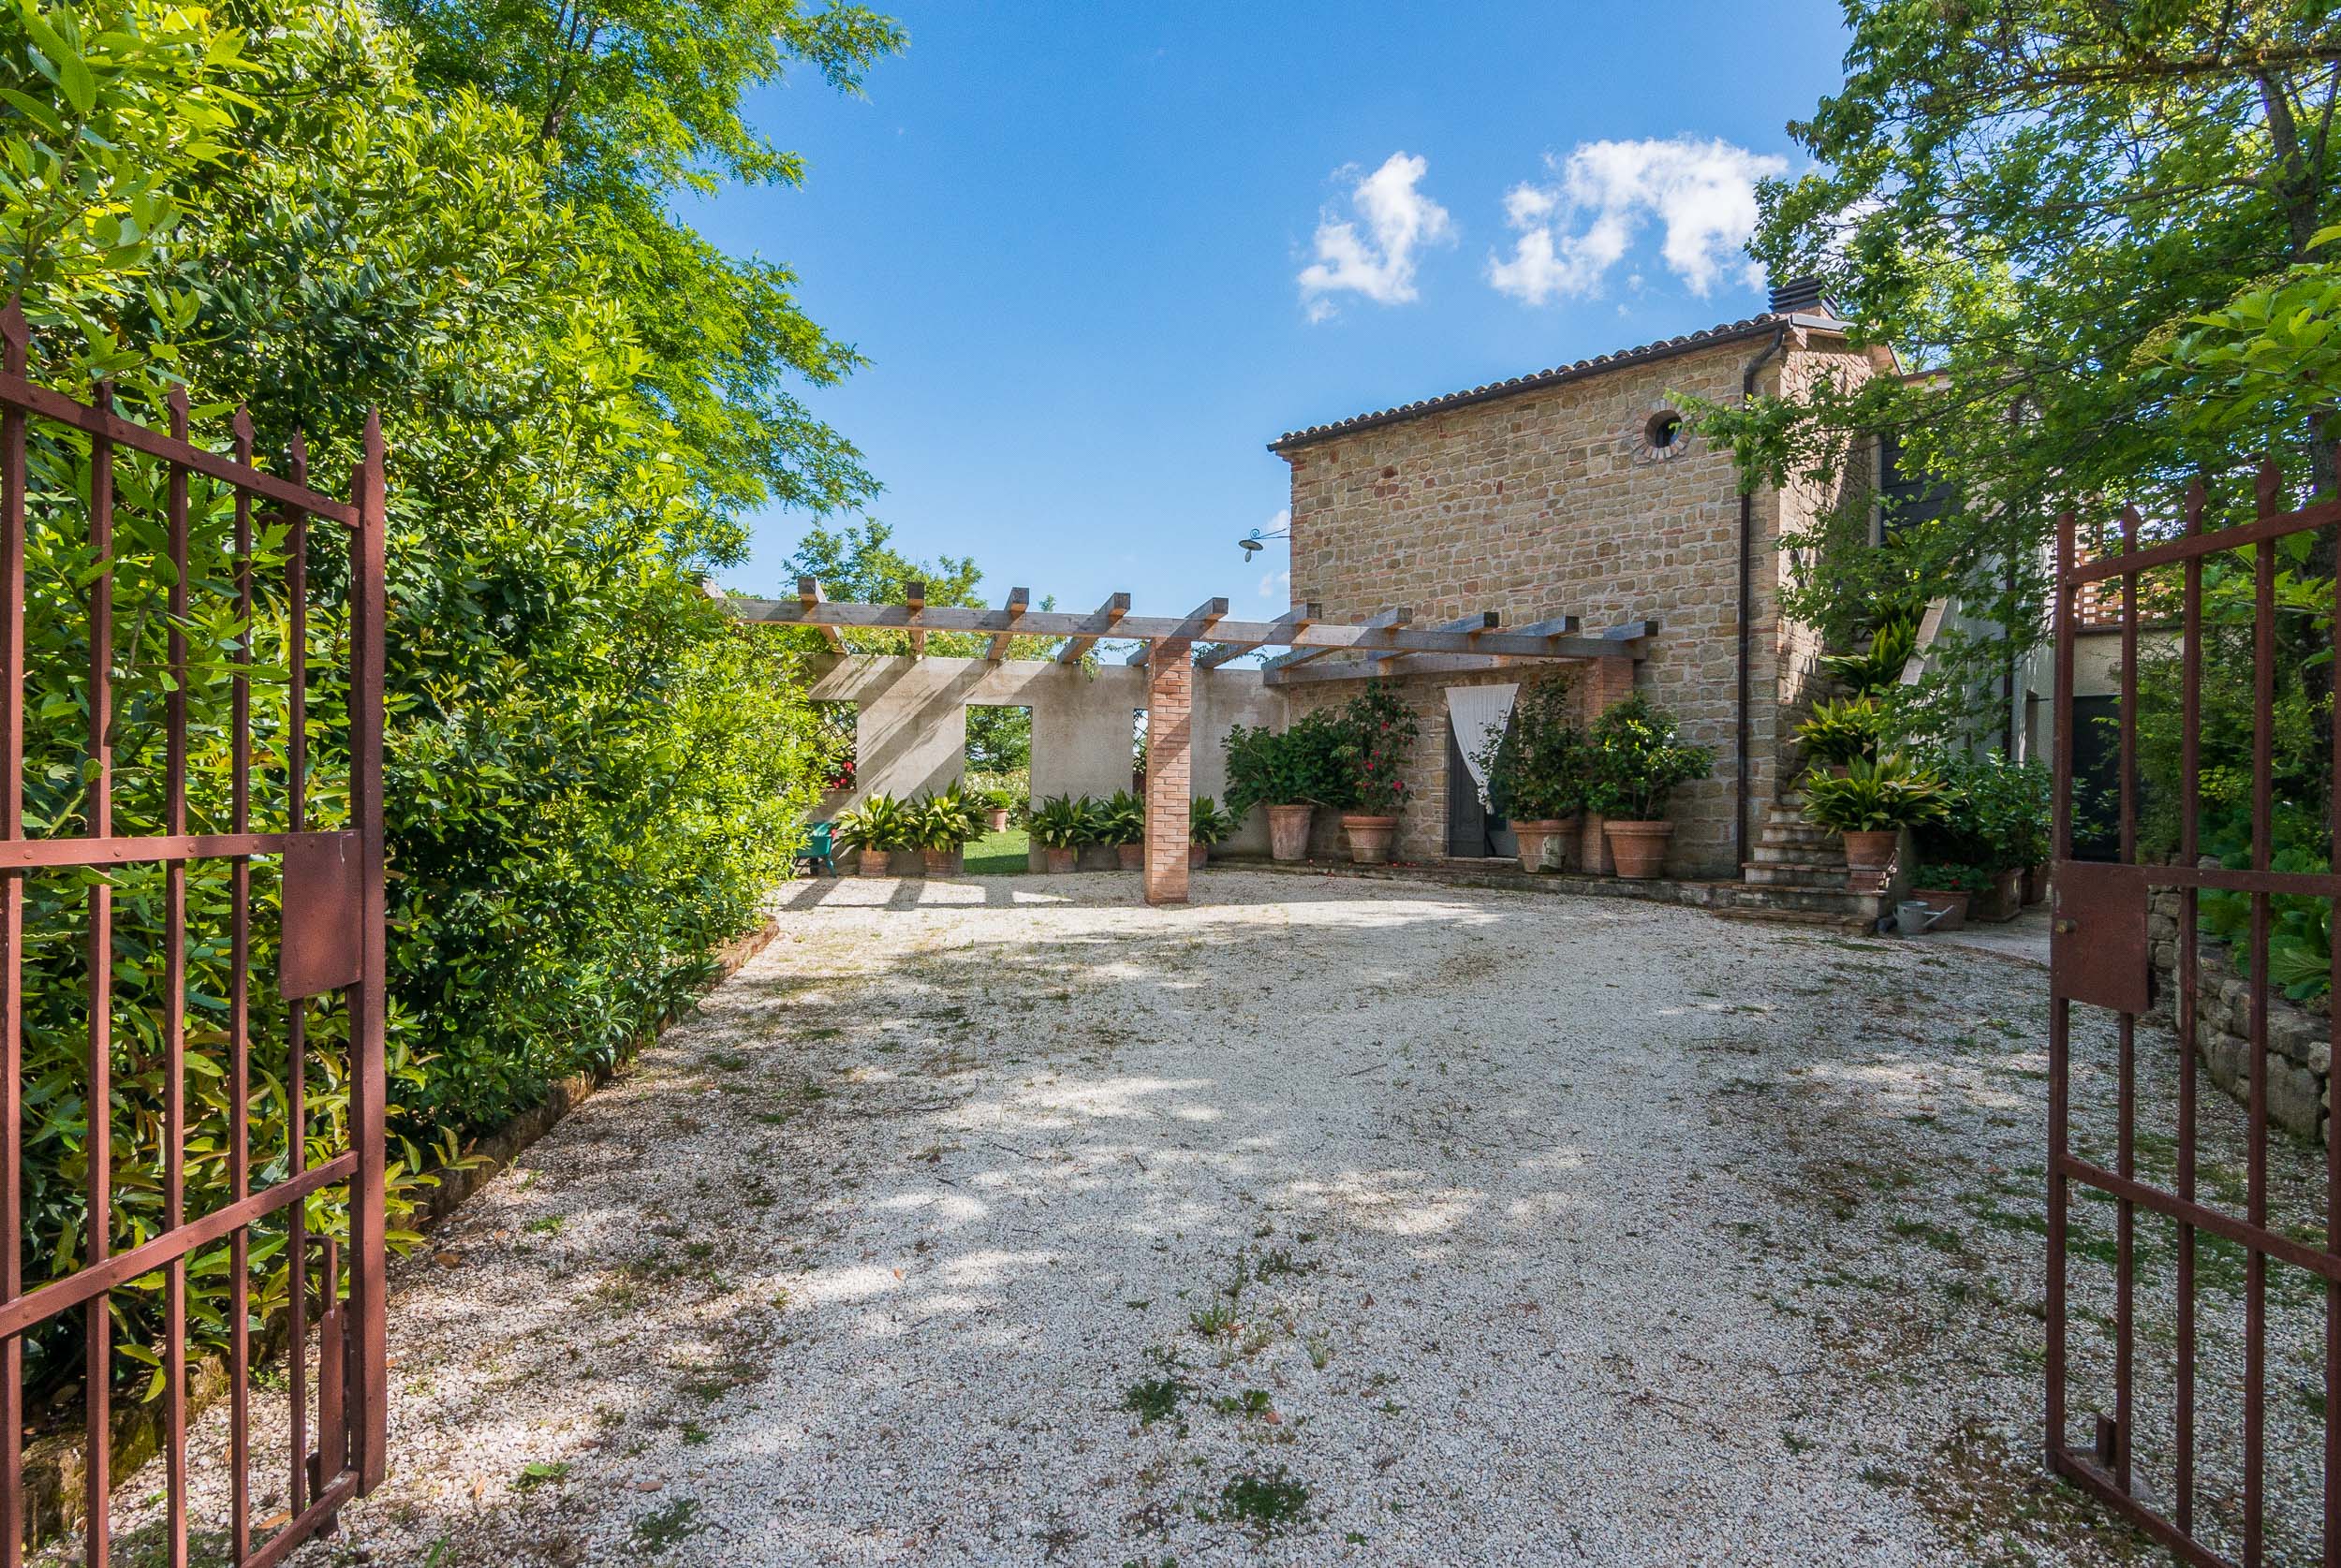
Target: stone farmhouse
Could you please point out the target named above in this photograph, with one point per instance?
(1582, 490)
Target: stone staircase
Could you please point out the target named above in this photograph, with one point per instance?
(1796, 871)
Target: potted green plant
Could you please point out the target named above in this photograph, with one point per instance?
(1121, 822)
(877, 828)
(997, 803)
(1870, 806)
(1538, 771)
(1949, 888)
(1060, 825)
(1838, 732)
(1207, 824)
(942, 822)
(1995, 817)
(1292, 771)
(1637, 761)
(1377, 730)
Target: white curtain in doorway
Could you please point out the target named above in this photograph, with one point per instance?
(1478, 714)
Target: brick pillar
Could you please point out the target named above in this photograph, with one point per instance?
(1613, 682)
(1169, 768)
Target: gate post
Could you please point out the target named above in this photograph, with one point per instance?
(1169, 768)
(369, 1305)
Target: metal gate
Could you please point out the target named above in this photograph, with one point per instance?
(331, 1327)
(2101, 957)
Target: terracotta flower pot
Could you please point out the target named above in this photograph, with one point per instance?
(941, 862)
(1638, 849)
(1947, 899)
(1288, 832)
(1198, 854)
(874, 862)
(2005, 901)
(1871, 852)
(1370, 837)
(997, 817)
(1060, 861)
(1544, 843)
(1131, 856)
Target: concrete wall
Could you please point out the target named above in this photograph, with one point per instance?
(911, 730)
(1556, 502)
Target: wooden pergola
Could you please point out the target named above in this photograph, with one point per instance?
(1170, 648)
(1387, 643)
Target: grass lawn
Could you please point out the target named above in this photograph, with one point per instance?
(1000, 854)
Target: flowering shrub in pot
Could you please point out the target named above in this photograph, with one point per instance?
(1636, 763)
(1996, 819)
(1538, 770)
(1376, 731)
(1290, 771)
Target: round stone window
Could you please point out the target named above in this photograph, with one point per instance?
(1664, 435)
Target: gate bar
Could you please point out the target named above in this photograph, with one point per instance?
(14, 348)
(97, 1362)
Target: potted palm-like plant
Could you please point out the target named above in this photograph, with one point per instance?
(1376, 729)
(944, 822)
(1121, 822)
(877, 828)
(1837, 733)
(1207, 824)
(1538, 771)
(1637, 764)
(1060, 826)
(1291, 772)
(1870, 806)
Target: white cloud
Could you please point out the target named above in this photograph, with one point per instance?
(1376, 260)
(1574, 229)
(1276, 587)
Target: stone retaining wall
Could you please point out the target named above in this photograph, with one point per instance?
(2300, 1092)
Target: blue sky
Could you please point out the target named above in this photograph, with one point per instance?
(1099, 255)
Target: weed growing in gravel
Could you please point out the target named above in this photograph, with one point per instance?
(727, 1060)
(545, 1224)
(1213, 1321)
(1156, 1398)
(1252, 1401)
(662, 1527)
(1268, 1503)
(540, 1474)
(1320, 1348)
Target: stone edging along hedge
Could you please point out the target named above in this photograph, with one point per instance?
(52, 1470)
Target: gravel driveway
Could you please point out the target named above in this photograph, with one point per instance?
(1323, 1221)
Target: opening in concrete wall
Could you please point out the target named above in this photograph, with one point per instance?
(1138, 750)
(999, 752)
(840, 727)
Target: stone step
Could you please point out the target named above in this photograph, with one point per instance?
(1794, 855)
(1793, 874)
(1837, 905)
(1800, 833)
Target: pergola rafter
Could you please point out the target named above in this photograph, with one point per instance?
(1109, 615)
(1382, 640)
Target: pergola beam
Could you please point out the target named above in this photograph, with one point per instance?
(1469, 626)
(1101, 623)
(1296, 618)
(1413, 663)
(1205, 616)
(1380, 621)
(1386, 631)
(809, 600)
(1018, 600)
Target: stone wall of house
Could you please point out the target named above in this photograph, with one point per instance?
(1557, 501)
(2300, 1054)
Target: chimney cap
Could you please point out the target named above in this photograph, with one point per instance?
(1801, 295)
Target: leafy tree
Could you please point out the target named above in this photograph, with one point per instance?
(593, 775)
(2095, 231)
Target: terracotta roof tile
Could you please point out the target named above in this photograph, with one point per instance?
(1727, 332)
